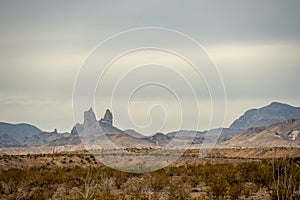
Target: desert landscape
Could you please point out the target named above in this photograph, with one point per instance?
(149, 100)
(79, 175)
(253, 159)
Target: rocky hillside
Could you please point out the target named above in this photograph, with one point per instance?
(6, 141)
(281, 134)
(18, 131)
(273, 113)
(42, 138)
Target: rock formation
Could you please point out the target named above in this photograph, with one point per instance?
(89, 118)
(108, 118)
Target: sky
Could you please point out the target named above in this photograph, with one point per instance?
(255, 45)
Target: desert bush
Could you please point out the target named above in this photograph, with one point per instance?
(286, 179)
(218, 187)
(280, 177)
(178, 191)
(111, 196)
(249, 189)
(134, 186)
(235, 191)
(158, 180)
(120, 179)
(194, 181)
(259, 173)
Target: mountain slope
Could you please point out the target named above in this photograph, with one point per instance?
(225, 134)
(273, 113)
(160, 139)
(133, 133)
(6, 141)
(43, 138)
(18, 131)
(281, 134)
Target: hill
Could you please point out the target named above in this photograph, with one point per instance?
(273, 113)
(18, 131)
(281, 134)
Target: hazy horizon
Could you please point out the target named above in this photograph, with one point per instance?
(254, 44)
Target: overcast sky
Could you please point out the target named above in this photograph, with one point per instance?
(255, 44)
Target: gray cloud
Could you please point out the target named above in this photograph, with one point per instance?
(255, 44)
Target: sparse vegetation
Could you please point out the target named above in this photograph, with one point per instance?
(65, 178)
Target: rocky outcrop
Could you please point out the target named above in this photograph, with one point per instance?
(108, 118)
(92, 127)
(77, 128)
(265, 116)
(89, 118)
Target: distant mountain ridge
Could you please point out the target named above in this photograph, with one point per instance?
(43, 138)
(265, 116)
(18, 131)
(95, 132)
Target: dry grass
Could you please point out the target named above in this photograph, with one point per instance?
(80, 176)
